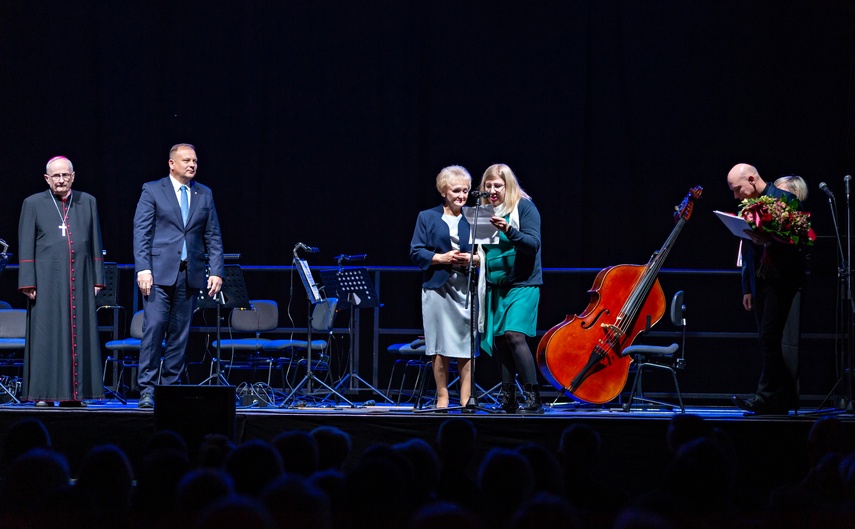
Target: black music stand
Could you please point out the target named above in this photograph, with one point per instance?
(314, 297)
(355, 290)
(232, 295)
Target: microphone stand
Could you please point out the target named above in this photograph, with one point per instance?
(850, 314)
(846, 307)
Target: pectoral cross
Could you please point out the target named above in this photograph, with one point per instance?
(63, 227)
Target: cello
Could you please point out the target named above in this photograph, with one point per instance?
(582, 356)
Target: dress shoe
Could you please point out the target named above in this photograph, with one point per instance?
(753, 404)
(146, 401)
(44, 404)
(758, 406)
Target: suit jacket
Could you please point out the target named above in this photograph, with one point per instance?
(159, 234)
(432, 236)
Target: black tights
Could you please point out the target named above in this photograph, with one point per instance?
(512, 352)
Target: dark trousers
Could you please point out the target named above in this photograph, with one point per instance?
(777, 384)
(168, 313)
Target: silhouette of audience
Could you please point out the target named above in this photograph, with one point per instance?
(313, 479)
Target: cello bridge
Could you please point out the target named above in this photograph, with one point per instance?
(613, 328)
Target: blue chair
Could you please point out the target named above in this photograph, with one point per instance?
(125, 355)
(247, 352)
(411, 359)
(13, 333)
(662, 358)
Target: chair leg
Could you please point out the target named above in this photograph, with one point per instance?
(422, 380)
(679, 394)
(635, 389)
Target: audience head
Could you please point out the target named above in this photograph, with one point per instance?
(333, 447)
(444, 514)
(547, 510)
(214, 449)
(166, 440)
(35, 486)
(299, 452)
(425, 466)
(294, 502)
(504, 474)
(253, 465)
(106, 480)
(379, 468)
(685, 427)
(201, 488)
(233, 511)
(579, 448)
(546, 468)
(455, 440)
(22, 435)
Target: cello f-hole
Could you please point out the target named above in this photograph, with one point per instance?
(597, 317)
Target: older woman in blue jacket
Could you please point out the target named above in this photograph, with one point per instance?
(441, 247)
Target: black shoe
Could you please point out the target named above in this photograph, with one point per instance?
(753, 404)
(146, 401)
(531, 400)
(507, 398)
(758, 406)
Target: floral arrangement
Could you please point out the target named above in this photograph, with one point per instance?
(778, 217)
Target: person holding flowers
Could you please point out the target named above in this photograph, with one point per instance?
(773, 270)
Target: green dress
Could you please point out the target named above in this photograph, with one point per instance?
(507, 307)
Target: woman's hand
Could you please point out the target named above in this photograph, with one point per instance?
(446, 258)
(463, 259)
(500, 224)
(454, 258)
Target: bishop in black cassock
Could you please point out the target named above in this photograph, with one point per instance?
(61, 270)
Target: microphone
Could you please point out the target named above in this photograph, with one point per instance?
(309, 249)
(479, 194)
(828, 192)
(846, 180)
(357, 257)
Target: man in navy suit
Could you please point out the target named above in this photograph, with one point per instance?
(175, 226)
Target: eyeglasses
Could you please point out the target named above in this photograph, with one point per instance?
(62, 176)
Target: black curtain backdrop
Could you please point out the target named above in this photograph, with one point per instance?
(326, 122)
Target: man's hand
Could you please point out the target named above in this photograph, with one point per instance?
(215, 283)
(748, 302)
(145, 281)
(98, 289)
(30, 292)
(759, 239)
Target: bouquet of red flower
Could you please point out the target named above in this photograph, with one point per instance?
(779, 218)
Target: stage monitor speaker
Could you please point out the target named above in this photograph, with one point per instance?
(195, 411)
